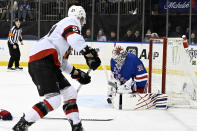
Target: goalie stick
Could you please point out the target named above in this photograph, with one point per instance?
(78, 89)
(112, 84)
(83, 119)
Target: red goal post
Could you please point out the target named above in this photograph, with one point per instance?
(163, 63)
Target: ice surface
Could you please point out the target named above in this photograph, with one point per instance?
(18, 94)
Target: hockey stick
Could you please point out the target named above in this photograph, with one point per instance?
(85, 119)
(59, 118)
(114, 85)
(78, 89)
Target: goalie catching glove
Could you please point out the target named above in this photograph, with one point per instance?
(80, 76)
(91, 56)
(128, 87)
(5, 115)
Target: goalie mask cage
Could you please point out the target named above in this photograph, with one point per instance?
(171, 72)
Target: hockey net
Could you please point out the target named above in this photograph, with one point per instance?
(171, 72)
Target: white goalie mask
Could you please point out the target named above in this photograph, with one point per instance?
(119, 55)
(78, 12)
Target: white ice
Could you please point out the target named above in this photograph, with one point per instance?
(18, 94)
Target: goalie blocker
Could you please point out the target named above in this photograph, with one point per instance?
(138, 101)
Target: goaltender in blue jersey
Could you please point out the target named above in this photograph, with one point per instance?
(129, 78)
(128, 71)
(132, 68)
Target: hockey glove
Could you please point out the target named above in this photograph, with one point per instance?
(80, 76)
(5, 115)
(128, 87)
(91, 56)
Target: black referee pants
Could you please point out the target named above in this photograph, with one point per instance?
(14, 55)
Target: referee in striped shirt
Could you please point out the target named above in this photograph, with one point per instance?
(14, 36)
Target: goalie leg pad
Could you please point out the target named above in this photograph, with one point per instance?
(152, 101)
(125, 101)
(138, 101)
(160, 101)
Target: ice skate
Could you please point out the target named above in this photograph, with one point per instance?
(76, 127)
(10, 69)
(18, 68)
(22, 125)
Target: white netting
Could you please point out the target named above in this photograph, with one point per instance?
(181, 81)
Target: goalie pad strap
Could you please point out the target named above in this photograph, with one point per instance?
(136, 101)
(148, 101)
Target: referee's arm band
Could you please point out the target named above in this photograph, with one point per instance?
(11, 34)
